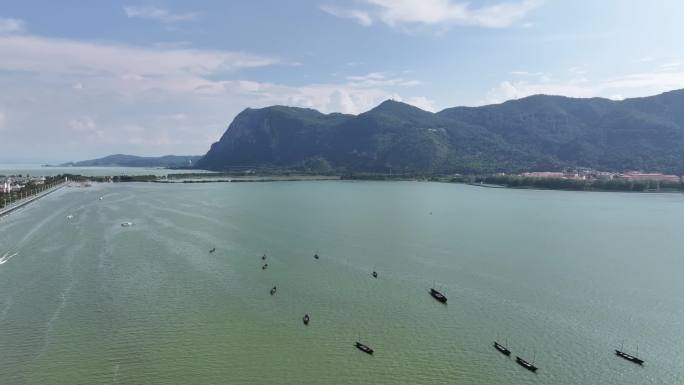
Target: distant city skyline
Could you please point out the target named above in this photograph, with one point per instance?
(82, 80)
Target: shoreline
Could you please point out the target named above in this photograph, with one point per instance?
(7, 210)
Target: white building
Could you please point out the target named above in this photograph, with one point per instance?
(7, 186)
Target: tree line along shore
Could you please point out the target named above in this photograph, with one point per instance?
(495, 180)
(18, 188)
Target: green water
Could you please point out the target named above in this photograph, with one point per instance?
(563, 276)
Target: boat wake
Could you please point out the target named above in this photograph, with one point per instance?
(5, 258)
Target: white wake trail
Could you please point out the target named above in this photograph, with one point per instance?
(7, 257)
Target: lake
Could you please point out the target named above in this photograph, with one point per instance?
(563, 277)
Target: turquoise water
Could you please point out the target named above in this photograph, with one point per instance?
(563, 276)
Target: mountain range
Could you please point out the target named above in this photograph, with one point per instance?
(121, 160)
(540, 132)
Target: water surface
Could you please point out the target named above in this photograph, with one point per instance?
(562, 276)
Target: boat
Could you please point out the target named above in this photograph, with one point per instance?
(127, 224)
(212, 250)
(374, 274)
(263, 257)
(364, 348)
(621, 353)
(525, 364)
(70, 216)
(273, 290)
(306, 319)
(101, 198)
(265, 266)
(504, 350)
(316, 255)
(438, 296)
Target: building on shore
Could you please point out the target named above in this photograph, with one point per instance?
(543, 174)
(656, 177)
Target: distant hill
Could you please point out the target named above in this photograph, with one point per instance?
(120, 160)
(535, 133)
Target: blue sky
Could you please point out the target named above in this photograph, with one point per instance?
(84, 79)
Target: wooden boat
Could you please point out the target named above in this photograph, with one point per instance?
(504, 350)
(305, 319)
(265, 266)
(273, 290)
(316, 255)
(525, 364)
(263, 257)
(629, 357)
(438, 296)
(364, 348)
(212, 250)
(374, 274)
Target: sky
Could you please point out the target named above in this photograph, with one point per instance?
(84, 79)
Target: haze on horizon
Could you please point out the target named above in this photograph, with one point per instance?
(83, 80)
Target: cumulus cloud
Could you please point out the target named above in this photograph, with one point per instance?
(436, 12)
(158, 14)
(11, 26)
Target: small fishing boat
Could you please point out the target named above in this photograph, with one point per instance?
(265, 266)
(504, 350)
(263, 257)
(364, 348)
(621, 353)
(212, 250)
(316, 254)
(525, 364)
(70, 216)
(438, 296)
(273, 290)
(127, 224)
(306, 319)
(374, 274)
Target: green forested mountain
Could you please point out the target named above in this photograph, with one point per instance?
(535, 133)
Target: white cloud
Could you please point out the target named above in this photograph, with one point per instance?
(619, 87)
(437, 12)
(11, 26)
(61, 56)
(158, 14)
(671, 65)
(577, 70)
(84, 123)
(99, 98)
(422, 103)
(361, 17)
(526, 73)
(376, 79)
